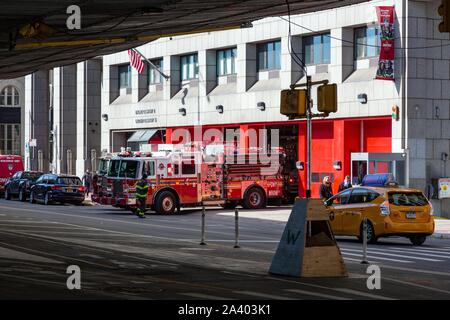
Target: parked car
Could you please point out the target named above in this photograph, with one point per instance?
(20, 184)
(9, 165)
(390, 211)
(57, 188)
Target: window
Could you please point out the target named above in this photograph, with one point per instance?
(128, 169)
(226, 61)
(269, 56)
(367, 42)
(114, 166)
(51, 180)
(103, 166)
(70, 181)
(125, 76)
(363, 196)
(41, 179)
(341, 198)
(9, 97)
(10, 139)
(188, 168)
(408, 199)
(31, 175)
(189, 67)
(149, 168)
(154, 77)
(316, 49)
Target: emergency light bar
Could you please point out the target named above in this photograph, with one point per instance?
(379, 180)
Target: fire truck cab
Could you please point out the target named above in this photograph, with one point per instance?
(190, 178)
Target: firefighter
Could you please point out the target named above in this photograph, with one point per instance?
(141, 195)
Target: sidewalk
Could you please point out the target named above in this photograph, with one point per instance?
(442, 229)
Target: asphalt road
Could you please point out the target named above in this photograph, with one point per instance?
(124, 257)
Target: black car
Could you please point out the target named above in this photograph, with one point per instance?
(57, 188)
(20, 184)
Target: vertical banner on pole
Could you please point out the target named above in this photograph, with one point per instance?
(387, 52)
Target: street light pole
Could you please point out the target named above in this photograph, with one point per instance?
(309, 117)
(308, 135)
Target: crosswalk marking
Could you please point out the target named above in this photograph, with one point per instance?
(357, 260)
(422, 253)
(363, 294)
(349, 291)
(383, 252)
(317, 294)
(203, 296)
(425, 251)
(376, 258)
(264, 295)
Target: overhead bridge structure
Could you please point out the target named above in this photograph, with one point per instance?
(34, 34)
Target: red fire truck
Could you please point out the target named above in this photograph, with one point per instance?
(192, 178)
(9, 165)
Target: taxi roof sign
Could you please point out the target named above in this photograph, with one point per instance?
(379, 180)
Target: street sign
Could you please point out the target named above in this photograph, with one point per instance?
(33, 143)
(444, 188)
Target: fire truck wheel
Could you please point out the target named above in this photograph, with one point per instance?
(165, 203)
(254, 199)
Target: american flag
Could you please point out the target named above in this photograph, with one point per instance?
(135, 61)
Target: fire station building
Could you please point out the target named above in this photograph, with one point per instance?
(232, 80)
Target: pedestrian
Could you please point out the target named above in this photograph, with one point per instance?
(87, 179)
(345, 185)
(141, 196)
(326, 191)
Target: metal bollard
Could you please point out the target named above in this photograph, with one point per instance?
(364, 259)
(203, 243)
(236, 228)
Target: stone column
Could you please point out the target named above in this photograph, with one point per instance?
(65, 120)
(88, 115)
(246, 66)
(36, 120)
(291, 71)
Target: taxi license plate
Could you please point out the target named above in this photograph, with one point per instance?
(410, 215)
(69, 189)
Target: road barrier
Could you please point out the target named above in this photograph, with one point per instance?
(236, 228)
(203, 243)
(307, 247)
(364, 241)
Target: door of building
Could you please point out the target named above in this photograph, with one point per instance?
(363, 163)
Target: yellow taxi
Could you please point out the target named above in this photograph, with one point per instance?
(390, 211)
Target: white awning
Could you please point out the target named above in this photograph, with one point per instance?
(142, 135)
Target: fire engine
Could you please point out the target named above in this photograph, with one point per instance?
(9, 165)
(192, 178)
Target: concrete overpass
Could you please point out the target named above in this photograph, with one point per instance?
(34, 34)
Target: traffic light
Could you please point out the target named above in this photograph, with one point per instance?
(293, 103)
(444, 11)
(327, 98)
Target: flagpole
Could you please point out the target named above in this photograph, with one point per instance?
(150, 63)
